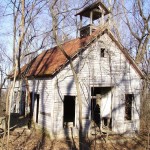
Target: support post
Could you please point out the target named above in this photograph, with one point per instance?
(80, 25)
(102, 19)
(91, 21)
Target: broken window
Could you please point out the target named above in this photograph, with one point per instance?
(128, 106)
(69, 110)
(102, 52)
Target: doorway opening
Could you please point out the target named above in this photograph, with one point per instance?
(101, 106)
(69, 111)
(95, 111)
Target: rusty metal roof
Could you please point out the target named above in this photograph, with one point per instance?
(51, 61)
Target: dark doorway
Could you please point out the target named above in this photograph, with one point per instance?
(100, 90)
(23, 102)
(37, 107)
(93, 105)
(69, 109)
(95, 112)
(96, 107)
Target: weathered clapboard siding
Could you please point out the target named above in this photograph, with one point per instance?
(44, 88)
(113, 71)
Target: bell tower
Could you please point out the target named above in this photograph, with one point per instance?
(93, 12)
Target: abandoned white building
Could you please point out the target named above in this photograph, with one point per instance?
(107, 74)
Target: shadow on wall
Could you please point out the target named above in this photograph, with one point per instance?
(18, 121)
(41, 143)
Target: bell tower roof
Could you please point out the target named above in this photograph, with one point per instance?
(98, 8)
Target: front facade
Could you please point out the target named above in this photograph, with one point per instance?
(110, 84)
(103, 70)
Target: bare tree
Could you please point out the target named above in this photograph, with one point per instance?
(141, 30)
(55, 12)
(136, 16)
(54, 22)
(23, 18)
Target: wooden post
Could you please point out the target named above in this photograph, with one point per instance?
(80, 25)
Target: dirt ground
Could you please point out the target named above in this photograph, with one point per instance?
(21, 138)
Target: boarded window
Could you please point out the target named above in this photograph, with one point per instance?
(69, 110)
(128, 106)
(102, 52)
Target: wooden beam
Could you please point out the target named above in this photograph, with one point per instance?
(80, 25)
(97, 11)
(91, 17)
(102, 18)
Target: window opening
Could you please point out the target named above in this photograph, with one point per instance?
(69, 111)
(128, 106)
(37, 107)
(99, 90)
(106, 122)
(102, 52)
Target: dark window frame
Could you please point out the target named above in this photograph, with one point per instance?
(69, 113)
(102, 52)
(128, 106)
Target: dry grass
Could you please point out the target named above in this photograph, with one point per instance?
(35, 140)
(23, 139)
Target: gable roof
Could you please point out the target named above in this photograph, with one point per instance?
(51, 61)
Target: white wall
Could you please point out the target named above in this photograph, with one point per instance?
(111, 71)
